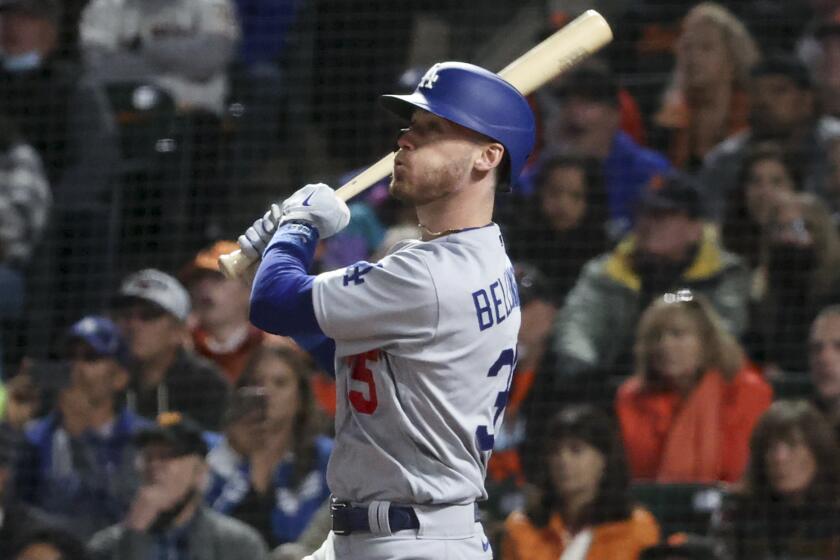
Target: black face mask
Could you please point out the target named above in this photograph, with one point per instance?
(165, 518)
(792, 260)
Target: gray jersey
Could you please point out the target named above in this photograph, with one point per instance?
(425, 349)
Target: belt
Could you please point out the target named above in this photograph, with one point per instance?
(378, 517)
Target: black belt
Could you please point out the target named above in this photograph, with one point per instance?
(347, 519)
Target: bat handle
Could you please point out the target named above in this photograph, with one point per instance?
(233, 265)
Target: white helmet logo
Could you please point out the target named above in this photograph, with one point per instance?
(429, 78)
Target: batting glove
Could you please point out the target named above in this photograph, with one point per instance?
(255, 239)
(318, 205)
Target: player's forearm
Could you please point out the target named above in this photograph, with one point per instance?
(281, 296)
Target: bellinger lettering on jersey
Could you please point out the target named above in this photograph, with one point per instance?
(494, 303)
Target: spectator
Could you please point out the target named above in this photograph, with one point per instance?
(831, 187)
(670, 248)
(793, 248)
(151, 308)
(587, 123)
(569, 213)
(687, 413)
(222, 332)
(185, 46)
(168, 518)
(827, 64)
(824, 357)
(270, 471)
(22, 402)
(55, 111)
(706, 100)
(79, 462)
(582, 500)
(788, 507)
(512, 452)
(782, 109)
(50, 544)
(25, 202)
(16, 518)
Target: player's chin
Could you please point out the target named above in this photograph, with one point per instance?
(400, 189)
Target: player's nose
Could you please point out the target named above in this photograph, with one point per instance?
(405, 139)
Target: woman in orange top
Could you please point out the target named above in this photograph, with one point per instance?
(581, 509)
(688, 412)
(706, 100)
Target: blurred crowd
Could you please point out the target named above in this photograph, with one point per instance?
(676, 241)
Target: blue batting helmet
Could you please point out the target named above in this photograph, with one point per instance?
(477, 99)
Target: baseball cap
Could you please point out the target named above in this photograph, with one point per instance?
(158, 288)
(593, 80)
(207, 260)
(784, 65)
(673, 191)
(102, 335)
(47, 9)
(10, 441)
(177, 430)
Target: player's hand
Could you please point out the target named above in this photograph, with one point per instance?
(255, 239)
(318, 205)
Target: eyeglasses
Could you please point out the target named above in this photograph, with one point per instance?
(680, 296)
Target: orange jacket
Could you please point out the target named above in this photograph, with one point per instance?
(618, 540)
(646, 418)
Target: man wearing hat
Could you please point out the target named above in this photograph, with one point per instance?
(783, 109)
(222, 332)
(669, 248)
(79, 460)
(168, 518)
(584, 117)
(151, 308)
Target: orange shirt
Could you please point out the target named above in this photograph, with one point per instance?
(646, 418)
(618, 540)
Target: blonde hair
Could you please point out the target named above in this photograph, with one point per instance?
(741, 48)
(721, 350)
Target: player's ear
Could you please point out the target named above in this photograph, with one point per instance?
(491, 156)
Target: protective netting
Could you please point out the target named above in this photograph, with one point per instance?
(674, 235)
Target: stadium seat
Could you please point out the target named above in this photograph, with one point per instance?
(685, 508)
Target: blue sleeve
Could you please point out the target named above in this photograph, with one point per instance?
(281, 297)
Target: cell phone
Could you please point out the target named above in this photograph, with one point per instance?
(246, 400)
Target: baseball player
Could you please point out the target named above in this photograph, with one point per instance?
(424, 340)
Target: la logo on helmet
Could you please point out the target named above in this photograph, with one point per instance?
(429, 78)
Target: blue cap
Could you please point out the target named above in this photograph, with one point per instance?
(102, 335)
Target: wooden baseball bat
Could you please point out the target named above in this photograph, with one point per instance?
(583, 36)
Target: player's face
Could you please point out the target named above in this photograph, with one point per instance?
(791, 465)
(563, 197)
(576, 468)
(217, 301)
(824, 355)
(435, 158)
(676, 353)
(281, 386)
(766, 180)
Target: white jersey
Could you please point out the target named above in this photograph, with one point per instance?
(425, 351)
(169, 31)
